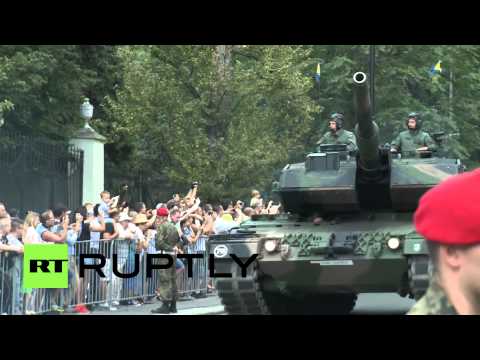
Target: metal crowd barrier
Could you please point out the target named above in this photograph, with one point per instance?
(11, 298)
(198, 283)
(92, 289)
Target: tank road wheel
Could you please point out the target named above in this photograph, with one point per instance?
(419, 270)
(257, 295)
(242, 296)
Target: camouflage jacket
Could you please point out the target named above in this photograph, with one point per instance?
(340, 137)
(434, 302)
(167, 237)
(409, 141)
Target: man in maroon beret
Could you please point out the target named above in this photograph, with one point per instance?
(166, 241)
(448, 216)
(162, 212)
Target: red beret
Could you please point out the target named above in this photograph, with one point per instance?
(449, 213)
(162, 212)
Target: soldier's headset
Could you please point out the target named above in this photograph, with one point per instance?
(338, 118)
(416, 116)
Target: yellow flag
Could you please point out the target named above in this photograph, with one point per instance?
(317, 74)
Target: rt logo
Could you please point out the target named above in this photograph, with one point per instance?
(45, 266)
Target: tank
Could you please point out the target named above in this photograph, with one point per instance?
(347, 229)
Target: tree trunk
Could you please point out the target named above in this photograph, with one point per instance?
(221, 102)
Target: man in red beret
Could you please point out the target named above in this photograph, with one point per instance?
(448, 216)
(166, 241)
(162, 212)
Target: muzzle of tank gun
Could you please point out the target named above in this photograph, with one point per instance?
(359, 77)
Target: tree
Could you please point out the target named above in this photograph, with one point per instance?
(44, 85)
(230, 115)
(227, 122)
(403, 84)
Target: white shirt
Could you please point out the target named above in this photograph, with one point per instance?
(32, 237)
(138, 234)
(124, 233)
(123, 246)
(94, 236)
(12, 240)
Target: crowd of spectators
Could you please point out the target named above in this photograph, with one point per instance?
(95, 226)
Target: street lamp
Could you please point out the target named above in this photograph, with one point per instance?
(86, 111)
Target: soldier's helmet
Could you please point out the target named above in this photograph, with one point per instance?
(416, 116)
(338, 118)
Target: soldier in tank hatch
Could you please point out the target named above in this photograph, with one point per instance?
(413, 140)
(337, 134)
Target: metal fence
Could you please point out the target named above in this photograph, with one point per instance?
(37, 173)
(92, 289)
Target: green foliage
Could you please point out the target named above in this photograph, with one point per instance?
(228, 127)
(403, 84)
(45, 84)
(230, 116)
(5, 106)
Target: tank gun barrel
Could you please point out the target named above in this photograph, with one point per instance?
(366, 129)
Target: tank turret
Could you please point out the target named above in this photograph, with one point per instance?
(349, 229)
(329, 179)
(332, 181)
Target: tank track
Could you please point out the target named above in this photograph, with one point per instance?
(245, 296)
(419, 275)
(242, 296)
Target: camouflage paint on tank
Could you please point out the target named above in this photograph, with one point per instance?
(350, 250)
(309, 190)
(425, 172)
(303, 248)
(295, 176)
(411, 178)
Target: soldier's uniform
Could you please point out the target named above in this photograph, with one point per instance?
(434, 302)
(409, 141)
(339, 137)
(167, 238)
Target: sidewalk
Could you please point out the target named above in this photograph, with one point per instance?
(210, 305)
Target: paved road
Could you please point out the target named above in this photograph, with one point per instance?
(367, 304)
(207, 306)
(382, 304)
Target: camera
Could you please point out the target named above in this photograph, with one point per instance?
(195, 183)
